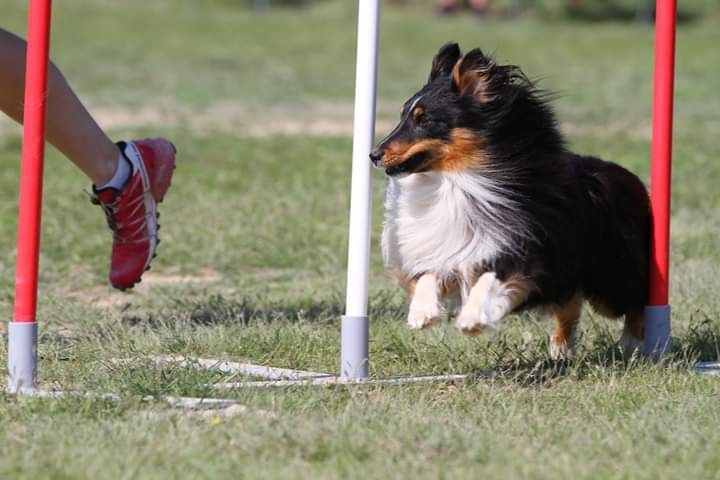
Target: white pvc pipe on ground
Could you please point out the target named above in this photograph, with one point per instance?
(354, 341)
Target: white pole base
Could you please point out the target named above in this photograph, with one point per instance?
(657, 331)
(22, 357)
(354, 346)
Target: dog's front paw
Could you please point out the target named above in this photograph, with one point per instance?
(471, 326)
(424, 315)
(473, 323)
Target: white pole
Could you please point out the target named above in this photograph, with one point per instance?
(354, 342)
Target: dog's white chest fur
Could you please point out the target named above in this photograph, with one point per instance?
(445, 223)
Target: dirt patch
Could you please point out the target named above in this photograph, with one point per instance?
(151, 279)
(318, 119)
(215, 416)
(315, 120)
(107, 297)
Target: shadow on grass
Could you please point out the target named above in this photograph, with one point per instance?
(702, 340)
(600, 352)
(508, 355)
(219, 310)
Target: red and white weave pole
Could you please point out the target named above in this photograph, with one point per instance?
(22, 331)
(657, 318)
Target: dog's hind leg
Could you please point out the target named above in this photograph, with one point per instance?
(490, 300)
(633, 333)
(562, 341)
(425, 306)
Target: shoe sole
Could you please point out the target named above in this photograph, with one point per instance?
(155, 194)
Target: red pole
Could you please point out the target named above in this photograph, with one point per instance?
(662, 150)
(33, 150)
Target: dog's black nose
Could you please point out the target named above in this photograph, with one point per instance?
(375, 156)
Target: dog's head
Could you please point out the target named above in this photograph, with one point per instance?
(442, 126)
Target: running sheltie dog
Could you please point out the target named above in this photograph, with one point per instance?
(484, 202)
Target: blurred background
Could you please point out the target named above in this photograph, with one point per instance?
(580, 9)
(258, 98)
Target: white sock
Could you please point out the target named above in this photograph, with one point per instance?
(122, 173)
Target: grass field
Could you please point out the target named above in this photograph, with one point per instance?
(252, 264)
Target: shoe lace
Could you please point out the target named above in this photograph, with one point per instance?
(122, 232)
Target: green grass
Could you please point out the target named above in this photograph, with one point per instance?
(251, 267)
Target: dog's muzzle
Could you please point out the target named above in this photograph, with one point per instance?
(376, 157)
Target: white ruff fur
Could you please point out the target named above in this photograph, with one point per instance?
(448, 224)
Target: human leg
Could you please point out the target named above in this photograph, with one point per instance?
(70, 128)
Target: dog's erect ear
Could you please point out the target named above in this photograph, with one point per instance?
(478, 75)
(445, 60)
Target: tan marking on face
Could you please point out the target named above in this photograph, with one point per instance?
(417, 111)
(464, 151)
(394, 152)
(566, 319)
(399, 152)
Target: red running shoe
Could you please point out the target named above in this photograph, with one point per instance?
(132, 211)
